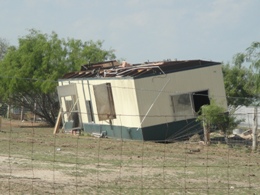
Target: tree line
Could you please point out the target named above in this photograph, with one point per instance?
(29, 71)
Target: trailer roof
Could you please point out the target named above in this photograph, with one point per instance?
(124, 69)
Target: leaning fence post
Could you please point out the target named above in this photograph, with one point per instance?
(254, 130)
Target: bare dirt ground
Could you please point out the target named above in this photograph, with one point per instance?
(34, 161)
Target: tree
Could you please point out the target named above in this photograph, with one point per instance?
(213, 115)
(3, 47)
(3, 50)
(242, 80)
(251, 57)
(30, 71)
(239, 84)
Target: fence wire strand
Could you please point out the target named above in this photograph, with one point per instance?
(34, 161)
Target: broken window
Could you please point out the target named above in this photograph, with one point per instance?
(72, 110)
(187, 105)
(70, 105)
(182, 106)
(104, 101)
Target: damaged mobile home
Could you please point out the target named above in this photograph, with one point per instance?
(150, 101)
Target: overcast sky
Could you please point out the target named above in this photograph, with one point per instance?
(141, 30)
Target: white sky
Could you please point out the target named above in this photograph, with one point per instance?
(141, 30)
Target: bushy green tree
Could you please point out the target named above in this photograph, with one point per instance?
(239, 84)
(252, 56)
(29, 72)
(242, 80)
(213, 115)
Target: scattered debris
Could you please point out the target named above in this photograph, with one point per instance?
(237, 131)
(76, 131)
(202, 143)
(191, 151)
(99, 135)
(195, 138)
(195, 150)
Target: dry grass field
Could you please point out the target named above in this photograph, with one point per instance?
(34, 161)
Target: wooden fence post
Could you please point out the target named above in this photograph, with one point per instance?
(254, 130)
(206, 133)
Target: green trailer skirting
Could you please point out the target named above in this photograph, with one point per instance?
(169, 131)
(177, 130)
(114, 131)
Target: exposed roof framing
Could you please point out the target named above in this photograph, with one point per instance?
(115, 69)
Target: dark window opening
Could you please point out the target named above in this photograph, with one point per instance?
(75, 119)
(90, 111)
(200, 98)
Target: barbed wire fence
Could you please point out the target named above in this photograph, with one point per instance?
(34, 161)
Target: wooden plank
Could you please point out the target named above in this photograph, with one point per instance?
(57, 125)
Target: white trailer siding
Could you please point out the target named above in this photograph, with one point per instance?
(155, 101)
(124, 97)
(208, 78)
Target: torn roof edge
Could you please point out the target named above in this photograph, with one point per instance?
(114, 68)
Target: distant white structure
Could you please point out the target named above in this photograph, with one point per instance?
(247, 114)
